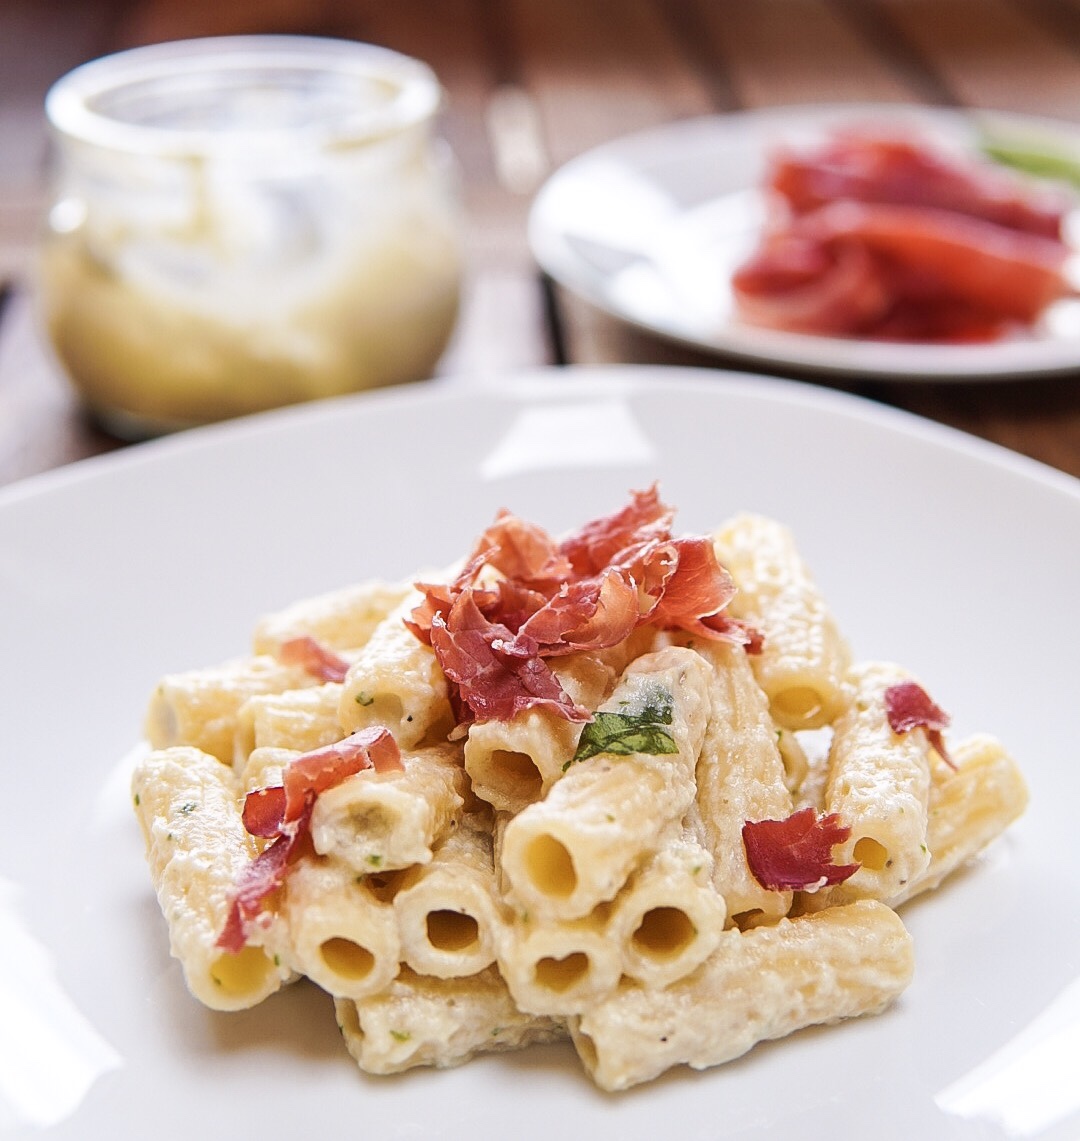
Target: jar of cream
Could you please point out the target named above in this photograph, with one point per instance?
(245, 222)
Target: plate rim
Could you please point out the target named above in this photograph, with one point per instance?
(530, 383)
(824, 406)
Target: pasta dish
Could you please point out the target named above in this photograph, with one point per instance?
(625, 786)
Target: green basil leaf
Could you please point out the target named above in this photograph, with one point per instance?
(640, 729)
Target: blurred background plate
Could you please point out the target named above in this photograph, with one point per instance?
(650, 228)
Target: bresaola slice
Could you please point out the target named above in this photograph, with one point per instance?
(864, 166)
(888, 239)
(282, 813)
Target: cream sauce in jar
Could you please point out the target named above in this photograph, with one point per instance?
(244, 223)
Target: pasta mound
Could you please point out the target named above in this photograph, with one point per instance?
(566, 792)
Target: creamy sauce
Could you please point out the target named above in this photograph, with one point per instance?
(242, 250)
(141, 351)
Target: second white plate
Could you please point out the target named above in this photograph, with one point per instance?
(650, 228)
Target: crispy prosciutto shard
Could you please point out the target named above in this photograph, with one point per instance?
(264, 812)
(311, 773)
(282, 813)
(496, 673)
(521, 599)
(258, 881)
(795, 854)
(521, 551)
(686, 582)
(313, 657)
(585, 615)
(908, 706)
(595, 545)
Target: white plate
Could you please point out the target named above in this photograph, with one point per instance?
(651, 227)
(944, 553)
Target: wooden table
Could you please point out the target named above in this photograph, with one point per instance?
(531, 84)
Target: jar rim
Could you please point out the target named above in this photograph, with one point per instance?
(73, 103)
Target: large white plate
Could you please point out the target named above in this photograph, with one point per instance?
(941, 552)
(650, 228)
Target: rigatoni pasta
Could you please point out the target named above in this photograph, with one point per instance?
(562, 791)
(201, 708)
(450, 914)
(395, 681)
(879, 784)
(759, 984)
(668, 919)
(423, 1021)
(740, 776)
(187, 804)
(340, 934)
(804, 657)
(382, 821)
(576, 847)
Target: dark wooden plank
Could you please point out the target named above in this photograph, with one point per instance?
(38, 44)
(41, 424)
(992, 53)
(602, 69)
(1039, 418)
(800, 51)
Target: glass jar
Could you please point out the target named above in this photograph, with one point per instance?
(245, 222)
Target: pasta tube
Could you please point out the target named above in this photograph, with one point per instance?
(668, 919)
(264, 767)
(380, 821)
(396, 681)
(340, 935)
(339, 619)
(200, 707)
(187, 804)
(300, 719)
(449, 917)
(879, 785)
(512, 763)
(574, 849)
(419, 1021)
(968, 809)
(802, 663)
(559, 967)
(796, 762)
(758, 984)
(740, 777)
